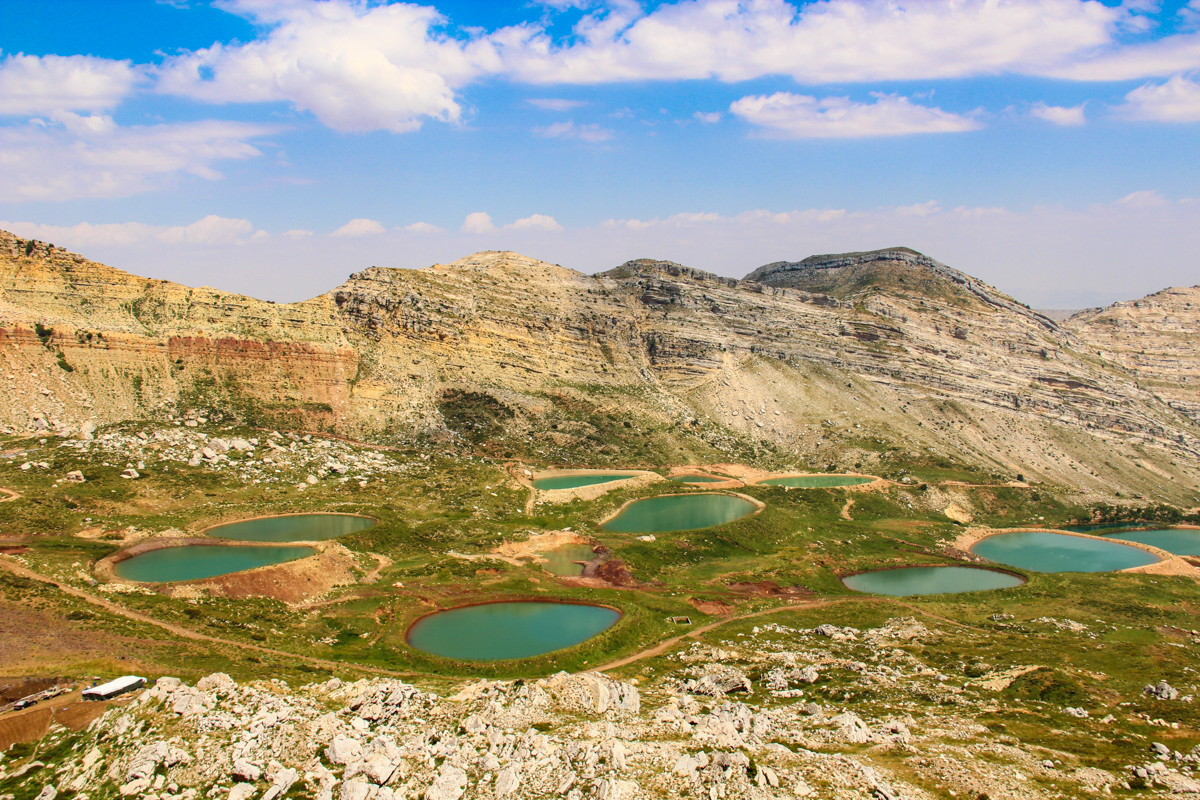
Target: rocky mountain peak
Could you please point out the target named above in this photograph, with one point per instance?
(656, 270)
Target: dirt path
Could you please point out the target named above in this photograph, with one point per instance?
(846, 509)
(10, 495)
(382, 562)
(666, 644)
(185, 633)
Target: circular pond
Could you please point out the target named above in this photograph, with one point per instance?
(817, 481)
(192, 562)
(1180, 541)
(679, 512)
(502, 631)
(292, 528)
(575, 481)
(907, 581)
(698, 479)
(1042, 551)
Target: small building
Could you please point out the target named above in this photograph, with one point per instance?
(107, 691)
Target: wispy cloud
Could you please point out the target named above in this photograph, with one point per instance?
(75, 156)
(212, 230)
(797, 116)
(569, 130)
(554, 104)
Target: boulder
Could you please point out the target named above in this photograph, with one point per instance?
(450, 784)
(507, 782)
(217, 682)
(245, 771)
(130, 474)
(343, 749)
(75, 476)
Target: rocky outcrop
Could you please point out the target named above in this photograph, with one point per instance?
(831, 358)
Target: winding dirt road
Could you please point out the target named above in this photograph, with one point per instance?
(182, 632)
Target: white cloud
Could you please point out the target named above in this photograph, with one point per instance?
(538, 222)
(1144, 199)
(44, 84)
(1066, 116)
(79, 157)
(708, 118)
(84, 234)
(1177, 100)
(569, 130)
(553, 104)
(823, 42)
(803, 117)
(209, 231)
(355, 66)
(423, 227)
(1122, 249)
(358, 227)
(478, 222)
(919, 209)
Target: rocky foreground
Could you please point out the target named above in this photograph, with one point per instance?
(706, 729)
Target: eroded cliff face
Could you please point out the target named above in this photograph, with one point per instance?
(836, 358)
(1155, 339)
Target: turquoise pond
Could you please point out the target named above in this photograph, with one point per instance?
(575, 481)
(817, 481)
(698, 479)
(292, 528)
(679, 512)
(1180, 541)
(192, 562)
(564, 560)
(1059, 552)
(1105, 527)
(907, 581)
(502, 631)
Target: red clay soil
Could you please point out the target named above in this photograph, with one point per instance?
(770, 589)
(714, 608)
(28, 725)
(292, 582)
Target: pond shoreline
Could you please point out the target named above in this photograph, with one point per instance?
(1168, 563)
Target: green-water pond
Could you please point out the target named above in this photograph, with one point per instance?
(906, 581)
(193, 562)
(292, 528)
(1180, 541)
(575, 481)
(817, 481)
(679, 512)
(509, 630)
(564, 560)
(1042, 551)
(698, 479)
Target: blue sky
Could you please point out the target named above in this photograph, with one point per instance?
(272, 146)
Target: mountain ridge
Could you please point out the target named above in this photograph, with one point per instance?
(963, 372)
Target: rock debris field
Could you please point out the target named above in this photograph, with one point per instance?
(706, 729)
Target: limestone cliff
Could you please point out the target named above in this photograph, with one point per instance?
(834, 358)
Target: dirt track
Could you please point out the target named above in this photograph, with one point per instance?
(185, 633)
